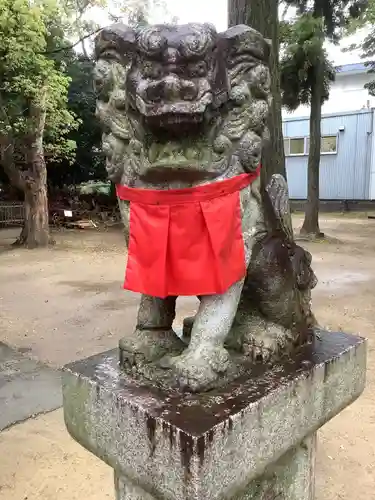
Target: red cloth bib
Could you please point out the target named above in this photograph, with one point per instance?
(185, 241)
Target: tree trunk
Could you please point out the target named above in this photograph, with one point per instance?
(311, 223)
(237, 12)
(263, 15)
(35, 232)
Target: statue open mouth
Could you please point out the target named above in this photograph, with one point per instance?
(176, 143)
(168, 125)
(175, 135)
(177, 117)
(177, 151)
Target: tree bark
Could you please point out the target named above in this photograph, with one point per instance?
(263, 15)
(36, 229)
(35, 232)
(237, 12)
(311, 223)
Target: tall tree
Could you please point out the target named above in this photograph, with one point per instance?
(34, 120)
(324, 19)
(367, 46)
(263, 15)
(303, 57)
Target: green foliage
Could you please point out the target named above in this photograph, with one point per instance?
(82, 101)
(367, 47)
(29, 79)
(303, 51)
(304, 58)
(138, 12)
(76, 21)
(365, 19)
(336, 14)
(89, 160)
(40, 68)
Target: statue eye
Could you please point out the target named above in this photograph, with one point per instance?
(103, 80)
(152, 71)
(198, 70)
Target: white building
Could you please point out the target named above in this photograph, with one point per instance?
(347, 165)
(347, 93)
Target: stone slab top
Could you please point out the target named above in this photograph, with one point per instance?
(184, 446)
(197, 414)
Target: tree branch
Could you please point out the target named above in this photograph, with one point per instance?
(7, 156)
(7, 162)
(73, 45)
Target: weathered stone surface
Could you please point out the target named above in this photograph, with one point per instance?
(185, 106)
(248, 440)
(291, 478)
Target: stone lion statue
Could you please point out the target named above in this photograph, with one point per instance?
(184, 112)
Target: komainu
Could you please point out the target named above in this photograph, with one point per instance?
(184, 112)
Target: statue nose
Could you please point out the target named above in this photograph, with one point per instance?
(172, 88)
(189, 90)
(166, 89)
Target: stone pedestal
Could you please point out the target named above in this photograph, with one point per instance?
(254, 439)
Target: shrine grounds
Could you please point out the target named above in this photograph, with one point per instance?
(66, 303)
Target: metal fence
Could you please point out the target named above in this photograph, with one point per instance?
(11, 213)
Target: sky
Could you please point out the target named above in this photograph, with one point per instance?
(215, 12)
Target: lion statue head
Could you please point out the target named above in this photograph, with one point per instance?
(181, 104)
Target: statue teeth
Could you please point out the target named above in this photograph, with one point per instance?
(153, 153)
(191, 154)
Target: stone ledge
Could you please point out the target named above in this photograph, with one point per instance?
(212, 445)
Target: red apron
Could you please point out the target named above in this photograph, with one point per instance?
(186, 241)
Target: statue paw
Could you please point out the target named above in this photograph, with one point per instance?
(258, 353)
(198, 369)
(267, 345)
(148, 345)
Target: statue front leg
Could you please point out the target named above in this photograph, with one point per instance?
(154, 336)
(205, 358)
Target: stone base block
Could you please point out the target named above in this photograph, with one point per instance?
(290, 478)
(253, 439)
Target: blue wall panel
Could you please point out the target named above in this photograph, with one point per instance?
(344, 175)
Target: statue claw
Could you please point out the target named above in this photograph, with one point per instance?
(198, 370)
(148, 345)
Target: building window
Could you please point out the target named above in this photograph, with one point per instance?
(295, 146)
(287, 146)
(300, 146)
(328, 145)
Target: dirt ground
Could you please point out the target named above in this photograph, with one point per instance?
(66, 303)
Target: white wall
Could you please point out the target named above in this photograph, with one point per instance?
(347, 94)
(372, 162)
